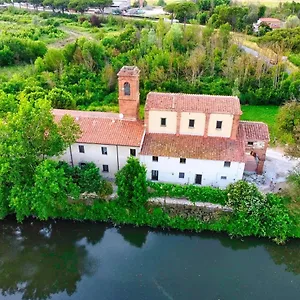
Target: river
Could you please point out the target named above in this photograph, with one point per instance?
(68, 260)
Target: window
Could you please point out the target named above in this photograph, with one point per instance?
(127, 89)
(181, 175)
(223, 177)
(81, 148)
(191, 123)
(105, 168)
(250, 143)
(182, 160)
(154, 158)
(198, 179)
(163, 122)
(154, 175)
(227, 164)
(104, 150)
(219, 125)
(132, 152)
(81, 165)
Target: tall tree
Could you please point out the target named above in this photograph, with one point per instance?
(185, 11)
(27, 138)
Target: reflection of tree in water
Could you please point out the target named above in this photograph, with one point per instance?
(135, 236)
(288, 255)
(40, 259)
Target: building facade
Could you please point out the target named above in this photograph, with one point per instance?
(186, 139)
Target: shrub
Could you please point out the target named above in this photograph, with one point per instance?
(191, 192)
(256, 213)
(132, 184)
(95, 21)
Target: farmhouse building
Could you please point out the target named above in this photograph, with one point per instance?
(196, 139)
(271, 22)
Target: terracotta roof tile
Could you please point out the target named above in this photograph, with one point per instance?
(255, 131)
(197, 147)
(105, 128)
(269, 20)
(193, 103)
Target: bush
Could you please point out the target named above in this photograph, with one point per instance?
(95, 21)
(87, 178)
(257, 214)
(191, 192)
(132, 184)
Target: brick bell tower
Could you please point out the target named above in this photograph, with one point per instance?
(129, 92)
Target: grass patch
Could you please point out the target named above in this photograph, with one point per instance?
(24, 70)
(266, 114)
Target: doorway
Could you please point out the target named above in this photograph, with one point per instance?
(198, 179)
(154, 175)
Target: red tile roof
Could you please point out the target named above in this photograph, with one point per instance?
(105, 128)
(193, 103)
(255, 131)
(269, 20)
(196, 147)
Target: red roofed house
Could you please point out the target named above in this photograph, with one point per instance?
(271, 22)
(183, 139)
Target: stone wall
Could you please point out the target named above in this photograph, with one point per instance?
(203, 211)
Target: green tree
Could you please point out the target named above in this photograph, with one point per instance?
(185, 11)
(288, 125)
(170, 8)
(51, 190)
(101, 4)
(79, 5)
(54, 60)
(27, 137)
(132, 184)
(261, 11)
(61, 99)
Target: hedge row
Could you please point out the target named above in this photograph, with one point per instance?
(191, 192)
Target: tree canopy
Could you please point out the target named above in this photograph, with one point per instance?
(288, 123)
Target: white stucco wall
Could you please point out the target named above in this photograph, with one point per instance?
(154, 121)
(169, 168)
(199, 123)
(227, 121)
(94, 154)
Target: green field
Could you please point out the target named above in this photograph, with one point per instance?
(266, 114)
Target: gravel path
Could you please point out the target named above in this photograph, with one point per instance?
(276, 169)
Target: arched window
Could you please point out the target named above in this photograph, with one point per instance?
(127, 89)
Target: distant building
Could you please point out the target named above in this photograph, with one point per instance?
(196, 139)
(271, 22)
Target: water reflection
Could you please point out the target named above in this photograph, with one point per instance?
(134, 236)
(44, 260)
(41, 259)
(287, 255)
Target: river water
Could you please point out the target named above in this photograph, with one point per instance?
(68, 260)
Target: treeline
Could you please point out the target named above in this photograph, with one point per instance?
(63, 5)
(240, 17)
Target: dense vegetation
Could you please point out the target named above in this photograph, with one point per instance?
(82, 75)
(171, 58)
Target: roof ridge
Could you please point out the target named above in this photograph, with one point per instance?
(169, 93)
(258, 122)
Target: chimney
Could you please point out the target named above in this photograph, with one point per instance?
(129, 92)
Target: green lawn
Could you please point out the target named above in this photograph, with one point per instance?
(266, 114)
